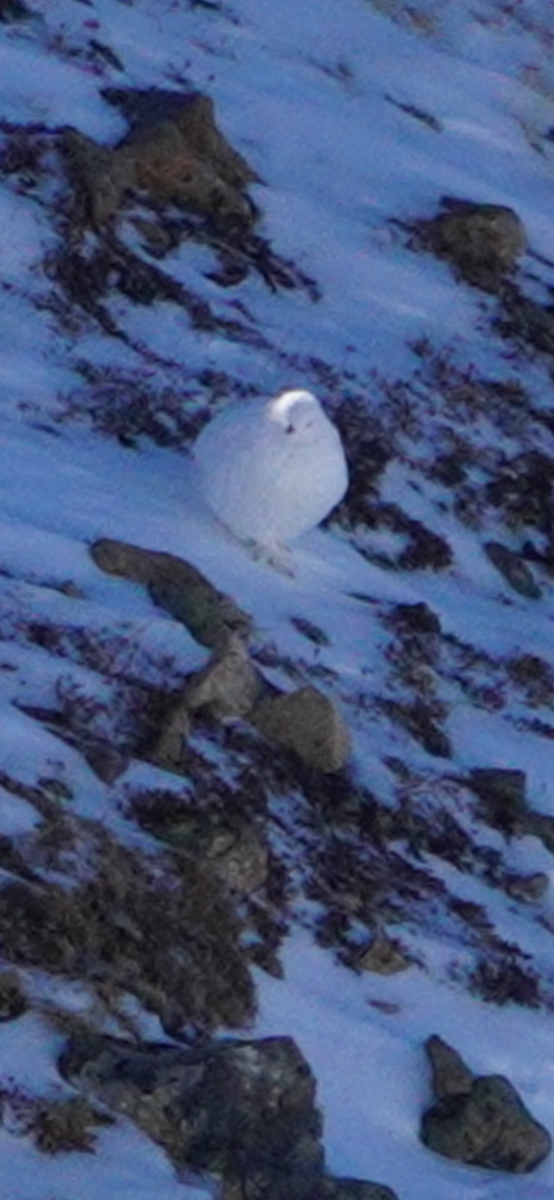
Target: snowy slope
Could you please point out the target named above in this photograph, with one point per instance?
(357, 118)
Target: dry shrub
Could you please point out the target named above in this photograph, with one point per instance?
(139, 925)
(64, 1125)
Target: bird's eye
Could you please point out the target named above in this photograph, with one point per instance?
(289, 429)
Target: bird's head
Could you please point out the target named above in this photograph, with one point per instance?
(296, 411)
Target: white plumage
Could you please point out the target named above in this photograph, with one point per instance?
(271, 470)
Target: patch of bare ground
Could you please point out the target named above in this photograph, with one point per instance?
(508, 980)
(106, 691)
(370, 445)
(363, 867)
(128, 406)
(478, 450)
(130, 254)
(269, 832)
(125, 922)
(88, 279)
(225, 823)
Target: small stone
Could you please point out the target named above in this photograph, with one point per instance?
(228, 686)
(514, 570)
(484, 241)
(417, 618)
(383, 957)
(106, 762)
(167, 751)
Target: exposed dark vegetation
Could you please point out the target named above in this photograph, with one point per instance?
(56, 1126)
(124, 922)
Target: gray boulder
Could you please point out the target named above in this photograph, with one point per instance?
(242, 1111)
(479, 1120)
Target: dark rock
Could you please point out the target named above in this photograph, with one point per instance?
(515, 571)
(483, 241)
(416, 618)
(244, 1110)
(167, 746)
(179, 587)
(479, 1120)
(107, 762)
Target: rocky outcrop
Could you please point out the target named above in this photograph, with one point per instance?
(479, 1119)
(243, 1111)
(173, 153)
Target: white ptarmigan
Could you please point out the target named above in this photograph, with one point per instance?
(271, 470)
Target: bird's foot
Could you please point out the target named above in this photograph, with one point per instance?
(270, 554)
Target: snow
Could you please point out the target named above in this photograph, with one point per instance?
(373, 1084)
(312, 94)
